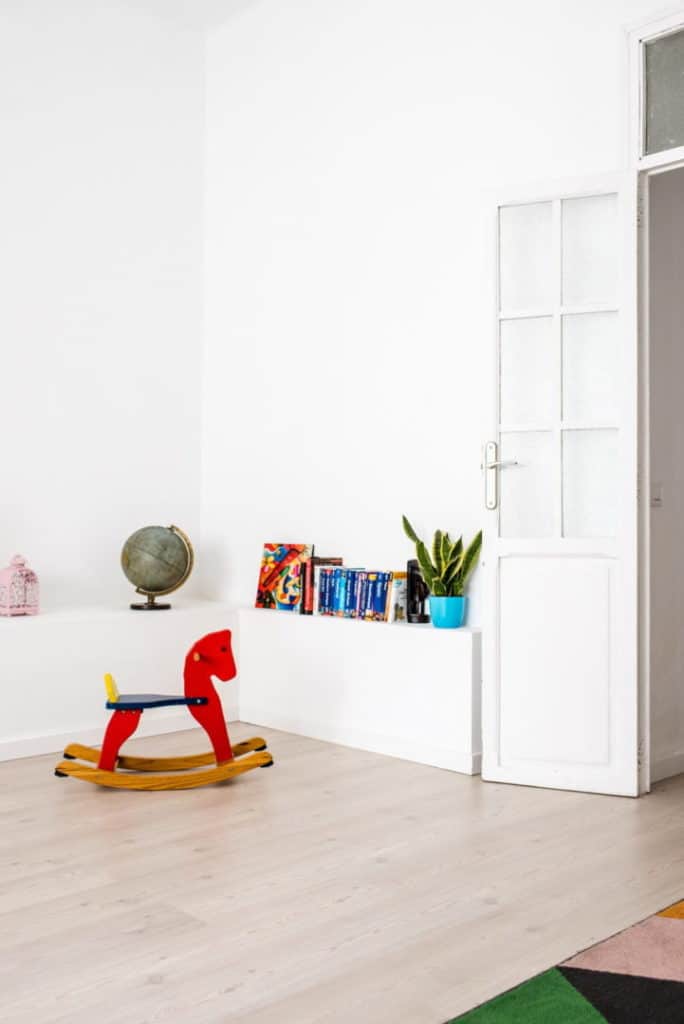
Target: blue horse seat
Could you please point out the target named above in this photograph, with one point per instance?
(140, 701)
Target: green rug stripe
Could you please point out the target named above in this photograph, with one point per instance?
(548, 997)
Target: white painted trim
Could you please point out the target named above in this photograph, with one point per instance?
(159, 724)
(364, 739)
(644, 489)
(548, 191)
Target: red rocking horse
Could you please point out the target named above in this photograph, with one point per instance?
(210, 656)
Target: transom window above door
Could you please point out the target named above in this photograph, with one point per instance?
(663, 92)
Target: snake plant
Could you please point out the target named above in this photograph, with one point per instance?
(447, 567)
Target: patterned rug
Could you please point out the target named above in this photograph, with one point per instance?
(635, 977)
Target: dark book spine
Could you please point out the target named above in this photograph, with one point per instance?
(361, 595)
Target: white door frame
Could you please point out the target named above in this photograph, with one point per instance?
(643, 167)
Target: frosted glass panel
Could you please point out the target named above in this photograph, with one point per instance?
(527, 371)
(589, 483)
(590, 357)
(664, 76)
(590, 270)
(526, 501)
(525, 255)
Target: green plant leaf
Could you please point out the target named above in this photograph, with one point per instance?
(470, 557)
(456, 548)
(409, 531)
(438, 589)
(437, 552)
(452, 569)
(426, 566)
(446, 548)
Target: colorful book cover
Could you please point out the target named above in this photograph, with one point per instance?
(280, 576)
(397, 596)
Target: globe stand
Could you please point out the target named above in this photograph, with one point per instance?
(150, 605)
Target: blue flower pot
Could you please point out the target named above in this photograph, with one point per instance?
(447, 612)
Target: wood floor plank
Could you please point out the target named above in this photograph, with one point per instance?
(338, 884)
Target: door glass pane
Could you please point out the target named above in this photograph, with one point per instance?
(525, 255)
(527, 377)
(590, 270)
(590, 483)
(526, 503)
(664, 87)
(590, 357)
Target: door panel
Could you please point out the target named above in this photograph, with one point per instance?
(557, 715)
(560, 698)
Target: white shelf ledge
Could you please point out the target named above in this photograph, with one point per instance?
(85, 613)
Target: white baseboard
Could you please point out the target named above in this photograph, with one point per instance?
(157, 724)
(363, 739)
(666, 767)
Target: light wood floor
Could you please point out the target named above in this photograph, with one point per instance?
(334, 886)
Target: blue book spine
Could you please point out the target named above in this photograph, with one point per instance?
(339, 588)
(351, 597)
(366, 609)
(380, 596)
(324, 596)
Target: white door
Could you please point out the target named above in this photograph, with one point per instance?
(560, 698)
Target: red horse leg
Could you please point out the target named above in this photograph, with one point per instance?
(210, 717)
(121, 725)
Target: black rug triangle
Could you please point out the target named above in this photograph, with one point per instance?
(627, 999)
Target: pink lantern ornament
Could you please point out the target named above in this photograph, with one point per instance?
(18, 589)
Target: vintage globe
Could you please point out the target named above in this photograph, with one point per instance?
(157, 560)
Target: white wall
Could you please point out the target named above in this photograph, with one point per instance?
(666, 266)
(101, 182)
(352, 149)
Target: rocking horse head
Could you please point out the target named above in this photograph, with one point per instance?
(214, 655)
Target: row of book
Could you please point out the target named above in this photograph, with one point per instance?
(359, 594)
(292, 578)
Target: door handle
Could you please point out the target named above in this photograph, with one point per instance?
(490, 465)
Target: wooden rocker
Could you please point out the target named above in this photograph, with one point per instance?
(210, 656)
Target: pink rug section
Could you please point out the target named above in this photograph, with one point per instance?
(652, 949)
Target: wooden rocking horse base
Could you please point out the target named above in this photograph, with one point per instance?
(162, 764)
(137, 772)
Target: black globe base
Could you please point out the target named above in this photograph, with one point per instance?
(150, 605)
